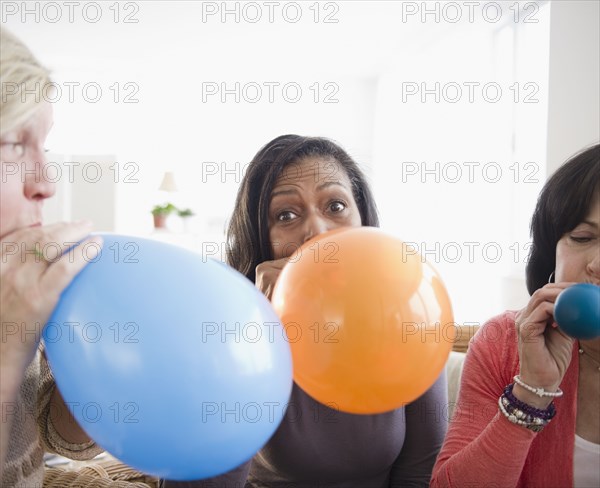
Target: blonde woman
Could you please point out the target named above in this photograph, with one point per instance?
(34, 416)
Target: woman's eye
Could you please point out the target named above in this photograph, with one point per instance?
(18, 148)
(580, 239)
(337, 206)
(286, 216)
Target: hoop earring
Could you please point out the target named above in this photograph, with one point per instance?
(551, 278)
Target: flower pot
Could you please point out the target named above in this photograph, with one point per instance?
(160, 221)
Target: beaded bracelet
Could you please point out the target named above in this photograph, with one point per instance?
(547, 414)
(521, 413)
(539, 391)
(535, 424)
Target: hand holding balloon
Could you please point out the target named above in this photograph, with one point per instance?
(267, 274)
(577, 311)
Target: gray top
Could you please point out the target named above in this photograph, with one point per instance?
(318, 447)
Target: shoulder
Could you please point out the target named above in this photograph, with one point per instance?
(499, 332)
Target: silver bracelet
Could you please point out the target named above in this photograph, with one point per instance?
(538, 391)
(534, 424)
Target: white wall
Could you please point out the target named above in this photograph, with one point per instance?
(154, 115)
(86, 188)
(460, 161)
(161, 62)
(574, 96)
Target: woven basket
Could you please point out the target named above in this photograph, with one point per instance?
(103, 474)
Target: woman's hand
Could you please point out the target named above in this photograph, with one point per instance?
(35, 268)
(544, 350)
(267, 274)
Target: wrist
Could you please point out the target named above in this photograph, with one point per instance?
(531, 398)
(11, 377)
(14, 360)
(524, 414)
(13, 364)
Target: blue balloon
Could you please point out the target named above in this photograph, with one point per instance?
(577, 311)
(174, 363)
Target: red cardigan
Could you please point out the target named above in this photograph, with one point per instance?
(482, 448)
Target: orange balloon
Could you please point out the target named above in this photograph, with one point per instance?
(369, 323)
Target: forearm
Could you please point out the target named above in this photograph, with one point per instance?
(494, 458)
(483, 448)
(11, 377)
(8, 397)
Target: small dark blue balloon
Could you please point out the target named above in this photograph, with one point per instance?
(577, 311)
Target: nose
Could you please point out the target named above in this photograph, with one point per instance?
(315, 224)
(37, 185)
(594, 264)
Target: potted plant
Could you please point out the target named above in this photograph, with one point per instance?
(160, 214)
(186, 214)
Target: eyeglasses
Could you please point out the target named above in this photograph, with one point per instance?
(17, 148)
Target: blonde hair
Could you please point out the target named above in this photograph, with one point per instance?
(22, 81)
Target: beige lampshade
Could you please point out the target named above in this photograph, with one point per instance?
(168, 182)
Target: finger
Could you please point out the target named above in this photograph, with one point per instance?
(24, 261)
(31, 234)
(535, 323)
(269, 292)
(43, 244)
(62, 237)
(557, 330)
(545, 294)
(560, 285)
(280, 263)
(265, 266)
(60, 273)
